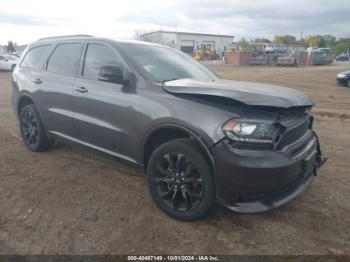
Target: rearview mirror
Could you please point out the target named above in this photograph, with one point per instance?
(114, 74)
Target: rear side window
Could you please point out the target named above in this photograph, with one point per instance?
(65, 59)
(34, 55)
(98, 55)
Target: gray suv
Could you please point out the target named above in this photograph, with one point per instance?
(200, 139)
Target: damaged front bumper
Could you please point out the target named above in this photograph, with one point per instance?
(250, 181)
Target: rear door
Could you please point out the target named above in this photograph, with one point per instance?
(56, 83)
(26, 73)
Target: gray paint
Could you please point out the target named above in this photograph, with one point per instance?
(118, 119)
(254, 94)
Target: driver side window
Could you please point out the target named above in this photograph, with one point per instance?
(98, 55)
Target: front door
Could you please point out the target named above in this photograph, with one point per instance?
(103, 109)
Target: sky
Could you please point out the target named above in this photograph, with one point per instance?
(25, 21)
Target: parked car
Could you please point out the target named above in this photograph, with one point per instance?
(343, 78)
(342, 57)
(8, 62)
(200, 139)
(16, 55)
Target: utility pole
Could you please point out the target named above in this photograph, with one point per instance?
(301, 34)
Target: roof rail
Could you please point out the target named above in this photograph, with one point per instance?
(63, 36)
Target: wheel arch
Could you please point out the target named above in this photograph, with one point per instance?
(166, 132)
(23, 101)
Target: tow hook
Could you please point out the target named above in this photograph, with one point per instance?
(320, 160)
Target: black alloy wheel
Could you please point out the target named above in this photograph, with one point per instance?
(30, 128)
(180, 180)
(32, 131)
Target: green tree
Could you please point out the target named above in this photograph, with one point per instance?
(244, 45)
(262, 40)
(313, 40)
(10, 47)
(330, 40)
(285, 39)
(304, 43)
(342, 45)
(278, 40)
(322, 42)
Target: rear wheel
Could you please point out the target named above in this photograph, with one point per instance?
(32, 130)
(180, 180)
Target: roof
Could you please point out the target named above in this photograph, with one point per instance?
(63, 37)
(184, 33)
(84, 37)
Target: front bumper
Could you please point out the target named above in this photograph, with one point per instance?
(343, 80)
(250, 181)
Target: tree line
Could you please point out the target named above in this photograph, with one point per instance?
(11, 47)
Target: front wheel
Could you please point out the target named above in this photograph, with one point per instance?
(180, 180)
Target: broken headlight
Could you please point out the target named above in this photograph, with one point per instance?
(251, 131)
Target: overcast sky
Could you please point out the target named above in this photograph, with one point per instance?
(25, 21)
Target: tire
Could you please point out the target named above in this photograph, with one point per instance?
(181, 181)
(349, 83)
(33, 133)
(13, 67)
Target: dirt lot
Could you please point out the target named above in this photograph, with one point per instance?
(75, 201)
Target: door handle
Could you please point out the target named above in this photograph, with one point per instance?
(81, 89)
(37, 81)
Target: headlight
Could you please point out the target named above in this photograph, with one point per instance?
(250, 131)
(341, 75)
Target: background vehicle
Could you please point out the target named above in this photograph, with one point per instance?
(342, 57)
(343, 78)
(200, 139)
(8, 62)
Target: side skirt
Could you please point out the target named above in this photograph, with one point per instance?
(109, 152)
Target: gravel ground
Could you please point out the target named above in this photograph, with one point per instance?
(75, 201)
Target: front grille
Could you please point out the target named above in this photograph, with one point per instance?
(250, 146)
(292, 134)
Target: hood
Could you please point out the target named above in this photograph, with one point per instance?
(254, 94)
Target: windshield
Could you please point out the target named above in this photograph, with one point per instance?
(165, 64)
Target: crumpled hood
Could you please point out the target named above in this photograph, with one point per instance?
(254, 94)
(345, 73)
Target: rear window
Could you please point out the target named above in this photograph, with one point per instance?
(65, 59)
(34, 55)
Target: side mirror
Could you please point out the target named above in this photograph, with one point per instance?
(114, 74)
